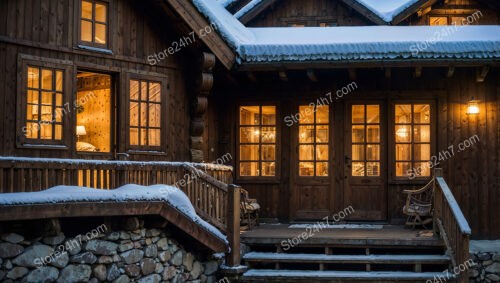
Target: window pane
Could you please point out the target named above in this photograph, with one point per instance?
(306, 168)
(306, 152)
(322, 134)
(403, 169)
(154, 115)
(268, 152)
(372, 114)
(358, 114)
(458, 21)
(422, 169)
(268, 168)
(100, 12)
(373, 133)
(134, 90)
(134, 136)
(58, 132)
(403, 151)
(154, 137)
(31, 130)
(144, 91)
(249, 169)
(32, 112)
(372, 152)
(86, 30)
(322, 115)
(87, 10)
(100, 33)
(403, 133)
(358, 152)
(322, 152)
(144, 109)
(46, 98)
(33, 77)
(358, 133)
(372, 169)
(249, 134)
(59, 80)
(306, 114)
(421, 133)
(438, 21)
(59, 114)
(249, 115)
(46, 113)
(422, 152)
(306, 134)
(143, 136)
(249, 152)
(268, 115)
(45, 131)
(268, 134)
(47, 79)
(322, 169)
(403, 113)
(59, 99)
(358, 169)
(134, 114)
(154, 92)
(421, 113)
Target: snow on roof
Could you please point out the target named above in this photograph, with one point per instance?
(131, 192)
(245, 9)
(299, 44)
(387, 9)
(226, 3)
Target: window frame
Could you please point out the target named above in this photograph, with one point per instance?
(449, 18)
(392, 141)
(92, 45)
(164, 120)
(25, 61)
(277, 144)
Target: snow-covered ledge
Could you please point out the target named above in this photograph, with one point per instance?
(486, 255)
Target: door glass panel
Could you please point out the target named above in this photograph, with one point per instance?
(313, 137)
(403, 151)
(365, 152)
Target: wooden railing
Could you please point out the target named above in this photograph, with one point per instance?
(451, 224)
(208, 186)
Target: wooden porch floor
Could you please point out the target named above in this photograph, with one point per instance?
(388, 235)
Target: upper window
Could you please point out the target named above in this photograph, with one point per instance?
(257, 141)
(313, 140)
(145, 114)
(44, 104)
(412, 135)
(94, 23)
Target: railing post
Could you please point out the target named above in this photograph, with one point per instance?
(233, 225)
(438, 172)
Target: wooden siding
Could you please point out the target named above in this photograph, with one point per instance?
(47, 29)
(472, 174)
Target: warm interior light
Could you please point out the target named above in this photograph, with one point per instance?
(402, 132)
(473, 107)
(80, 131)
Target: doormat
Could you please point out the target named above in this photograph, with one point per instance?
(338, 226)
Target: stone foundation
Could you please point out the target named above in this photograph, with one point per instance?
(487, 258)
(139, 255)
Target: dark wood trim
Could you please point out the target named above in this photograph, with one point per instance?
(95, 209)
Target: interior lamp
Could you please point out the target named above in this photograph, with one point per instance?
(80, 131)
(473, 107)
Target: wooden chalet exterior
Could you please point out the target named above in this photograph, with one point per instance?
(91, 97)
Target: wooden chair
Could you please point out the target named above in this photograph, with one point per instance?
(249, 210)
(418, 205)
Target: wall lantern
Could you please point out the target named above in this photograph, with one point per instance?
(473, 107)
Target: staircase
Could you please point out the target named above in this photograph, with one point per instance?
(364, 256)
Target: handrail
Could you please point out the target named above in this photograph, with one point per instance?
(450, 224)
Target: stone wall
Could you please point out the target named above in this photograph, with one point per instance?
(127, 255)
(486, 255)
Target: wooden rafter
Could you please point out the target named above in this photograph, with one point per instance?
(256, 10)
(283, 76)
(418, 72)
(482, 73)
(312, 75)
(352, 73)
(450, 72)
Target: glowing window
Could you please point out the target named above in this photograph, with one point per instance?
(94, 22)
(438, 21)
(314, 141)
(145, 113)
(257, 141)
(365, 140)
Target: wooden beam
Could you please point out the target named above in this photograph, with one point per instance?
(418, 72)
(312, 75)
(388, 73)
(451, 71)
(283, 76)
(411, 10)
(256, 10)
(424, 11)
(482, 73)
(352, 74)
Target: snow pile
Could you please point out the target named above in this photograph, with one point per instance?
(387, 10)
(131, 192)
(243, 11)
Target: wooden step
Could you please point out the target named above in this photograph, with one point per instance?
(322, 258)
(267, 275)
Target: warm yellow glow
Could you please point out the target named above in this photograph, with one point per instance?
(473, 107)
(80, 131)
(402, 132)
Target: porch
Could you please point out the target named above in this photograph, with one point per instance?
(367, 251)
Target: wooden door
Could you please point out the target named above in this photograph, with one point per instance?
(311, 159)
(365, 165)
